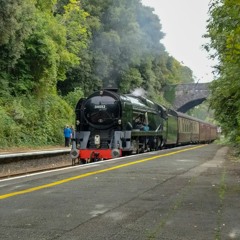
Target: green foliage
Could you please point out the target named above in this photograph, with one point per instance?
(131, 80)
(125, 35)
(16, 23)
(70, 48)
(32, 121)
(225, 101)
(169, 93)
(78, 24)
(46, 5)
(203, 112)
(73, 97)
(9, 130)
(224, 31)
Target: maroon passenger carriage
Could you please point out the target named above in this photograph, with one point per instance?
(184, 129)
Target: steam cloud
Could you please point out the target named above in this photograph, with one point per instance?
(139, 92)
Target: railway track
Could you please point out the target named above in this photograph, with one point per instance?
(12, 164)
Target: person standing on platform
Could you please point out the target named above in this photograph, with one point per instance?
(67, 135)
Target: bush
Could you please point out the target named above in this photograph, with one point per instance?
(29, 121)
(9, 130)
(73, 97)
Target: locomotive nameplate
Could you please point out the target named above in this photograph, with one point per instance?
(99, 106)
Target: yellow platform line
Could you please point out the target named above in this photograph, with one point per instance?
(93, 173)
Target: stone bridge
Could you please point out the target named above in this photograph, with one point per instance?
(186, 96)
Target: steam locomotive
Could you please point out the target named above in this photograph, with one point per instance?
(110, 125)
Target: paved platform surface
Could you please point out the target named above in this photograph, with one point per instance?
(187, 193)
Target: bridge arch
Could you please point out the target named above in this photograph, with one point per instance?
(190, 105)
(183, 97)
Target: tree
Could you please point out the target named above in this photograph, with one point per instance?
(224, 32)
(125, 38)
(55, 48)
(79, 25)
(16, 25)
(34, 55)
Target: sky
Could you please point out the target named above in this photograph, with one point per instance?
(184, 23)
